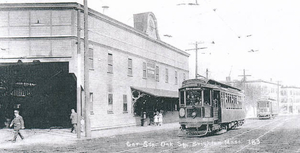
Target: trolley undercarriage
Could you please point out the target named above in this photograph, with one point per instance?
(190, 130)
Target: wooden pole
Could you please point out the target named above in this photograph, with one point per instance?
(78, 76)
(86, 73)
(196, 66)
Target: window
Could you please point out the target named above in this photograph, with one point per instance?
(110, 104)
(110, 63)
(182, 97)
(129, 67)
(91, 103)
(167, 75)
(176, 78)
(183, 76)
(157, 73)
(125, 104)
(91, 58)
(144, 70)
(206, 97)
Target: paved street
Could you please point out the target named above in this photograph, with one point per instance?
(278, 135)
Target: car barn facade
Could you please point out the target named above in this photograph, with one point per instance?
(131, 71)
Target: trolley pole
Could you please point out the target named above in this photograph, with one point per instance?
(86, 73)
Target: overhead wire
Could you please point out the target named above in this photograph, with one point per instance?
(214, 10)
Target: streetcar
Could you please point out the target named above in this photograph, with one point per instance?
(267, 108)
(209, 107)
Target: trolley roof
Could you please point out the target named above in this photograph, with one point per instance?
(207, 83)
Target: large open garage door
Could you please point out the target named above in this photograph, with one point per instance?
(44, 93)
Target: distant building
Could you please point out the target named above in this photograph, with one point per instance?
(131, 71)
(290, 100)
(255, 90)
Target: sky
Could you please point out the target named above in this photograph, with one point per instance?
(271, 28)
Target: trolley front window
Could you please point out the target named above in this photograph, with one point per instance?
(263, 104)
(193, 97)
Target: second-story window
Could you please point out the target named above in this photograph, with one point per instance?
(144, 70)
(157, 73)
(176, 78)
(110, 63)
(91, 58)
(129, 67)
(167, 75)
(183, 76)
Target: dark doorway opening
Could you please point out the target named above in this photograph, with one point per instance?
(151, 104)
(44, 93)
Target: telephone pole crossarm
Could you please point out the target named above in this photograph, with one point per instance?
(195, 48)
(196, 56)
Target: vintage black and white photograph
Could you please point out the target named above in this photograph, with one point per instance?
(149, 76)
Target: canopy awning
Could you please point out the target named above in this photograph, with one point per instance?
(158, 92)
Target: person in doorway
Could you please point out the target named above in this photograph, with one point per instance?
(18, 124)
(73, 118)
(156, 119)
(160, 118)
(151, 117)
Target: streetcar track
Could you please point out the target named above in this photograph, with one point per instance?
(175, 147)
(279, 124)
(242, 134)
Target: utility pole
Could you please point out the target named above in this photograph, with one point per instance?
(79, 73)
(244, 78)
(196, 56)
(207, 73)
(244, 87)
(86, 73)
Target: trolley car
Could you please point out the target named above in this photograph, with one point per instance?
(208, 107)
(267, 108)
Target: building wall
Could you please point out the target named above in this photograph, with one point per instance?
(28, 34)
(48, 32)
(290, 101)
(140, 49)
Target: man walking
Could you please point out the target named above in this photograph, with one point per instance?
(18, 123)
(73, 118)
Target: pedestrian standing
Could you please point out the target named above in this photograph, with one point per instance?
(156, 119)
(18, 124)
(73, 118)
(160, 119)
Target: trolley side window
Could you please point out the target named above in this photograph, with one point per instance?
(207, 97)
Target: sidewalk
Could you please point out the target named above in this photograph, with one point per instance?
(64, 136)
(133, 129)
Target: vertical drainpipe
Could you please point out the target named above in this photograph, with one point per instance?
(86, 73)
(78, 76)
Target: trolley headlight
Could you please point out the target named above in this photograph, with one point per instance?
(194, 114)
(181, 112)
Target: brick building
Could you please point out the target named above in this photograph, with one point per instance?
(130, 69)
